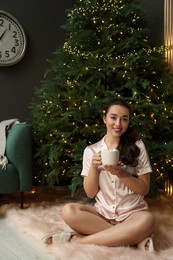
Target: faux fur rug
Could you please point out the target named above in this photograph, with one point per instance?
(43, 215)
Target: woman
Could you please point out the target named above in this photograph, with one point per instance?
(120, 215)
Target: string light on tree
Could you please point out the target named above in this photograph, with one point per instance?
(107, 53)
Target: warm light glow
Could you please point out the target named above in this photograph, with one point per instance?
(169, 188)
(168, 32)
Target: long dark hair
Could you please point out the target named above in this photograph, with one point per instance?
(127, 147)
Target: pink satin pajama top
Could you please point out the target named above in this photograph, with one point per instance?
(115, 200)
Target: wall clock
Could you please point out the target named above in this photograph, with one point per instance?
(12, 40)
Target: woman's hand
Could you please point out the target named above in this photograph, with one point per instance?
(96, 160)
(115, 169)
(139, 185)
(91, 182)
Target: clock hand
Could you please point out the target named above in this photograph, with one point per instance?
(2, 34)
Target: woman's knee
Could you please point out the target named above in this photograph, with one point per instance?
(149, 218)
(69, 210)
(147, 223)
(143, 222)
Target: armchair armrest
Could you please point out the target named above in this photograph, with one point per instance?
(19, 153)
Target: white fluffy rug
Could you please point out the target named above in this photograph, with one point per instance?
(43, 216)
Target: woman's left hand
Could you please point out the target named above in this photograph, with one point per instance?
(115, 169)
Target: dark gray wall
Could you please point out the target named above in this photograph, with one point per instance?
(155, 15)
(41, 20)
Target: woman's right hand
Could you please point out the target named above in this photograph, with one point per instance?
(96, 160)
(91, 182)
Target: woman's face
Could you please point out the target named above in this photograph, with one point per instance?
(117, 120)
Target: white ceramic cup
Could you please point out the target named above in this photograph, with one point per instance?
(110, 157)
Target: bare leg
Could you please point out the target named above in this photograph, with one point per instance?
(85, 220)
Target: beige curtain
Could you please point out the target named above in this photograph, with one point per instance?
(168, 32)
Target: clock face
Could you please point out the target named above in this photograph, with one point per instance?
(12, 40)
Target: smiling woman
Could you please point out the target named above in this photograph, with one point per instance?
(12, 40)
(120, 216)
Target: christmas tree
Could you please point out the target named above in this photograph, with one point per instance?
(107, 54)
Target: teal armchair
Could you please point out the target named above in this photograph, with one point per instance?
(17, 176)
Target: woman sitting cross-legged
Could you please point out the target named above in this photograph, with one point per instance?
(120, 215)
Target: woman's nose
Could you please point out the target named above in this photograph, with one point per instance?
(118, 122)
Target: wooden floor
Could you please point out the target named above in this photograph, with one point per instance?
(13, 247)
(37, 194)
